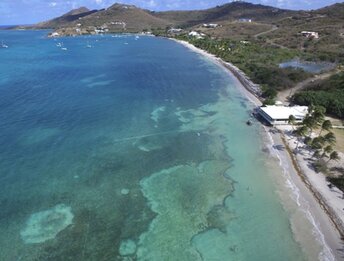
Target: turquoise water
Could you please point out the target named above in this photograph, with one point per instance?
(134, 149)
(311, 67)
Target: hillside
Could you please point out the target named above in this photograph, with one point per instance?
(228, 12)
(121, 17)
(66, 19)
(116, 18)
(135, 19)
(328, 22)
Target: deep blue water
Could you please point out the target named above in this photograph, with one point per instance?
(136, 147)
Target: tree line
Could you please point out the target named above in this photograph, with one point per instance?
(315, 133)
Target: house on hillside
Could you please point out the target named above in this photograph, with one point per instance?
(308, 34)
(279, 115)
(196, 35)
(245, 20)
(210, 25)
(175, 31)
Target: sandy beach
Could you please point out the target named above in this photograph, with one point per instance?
(322, 206)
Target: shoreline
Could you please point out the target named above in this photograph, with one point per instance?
(251, 91)
(328, 208)
(331, 229)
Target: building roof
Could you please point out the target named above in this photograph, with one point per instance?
(283, 112)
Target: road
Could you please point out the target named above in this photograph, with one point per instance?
(284, 96)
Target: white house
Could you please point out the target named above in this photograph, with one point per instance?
(279, 115)
(308, 34)
(245, 20)
(196, 35)
(210, 25)
(175, 30)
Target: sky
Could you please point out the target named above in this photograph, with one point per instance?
(32, 11)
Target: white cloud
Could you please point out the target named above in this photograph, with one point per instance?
(152, 3)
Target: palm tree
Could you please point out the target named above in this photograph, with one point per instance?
(333, 156)
(326, 125)
(319, 114)
(327, 150)
(316, 154)
(308, 141)
(317, 143)
(311, 108)
(300, 132)
(330, 138)
(292, 120)
(309, 122)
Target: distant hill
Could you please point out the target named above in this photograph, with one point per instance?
(137, 19)
(336, 10)
(231, 11)
(283, 27)
(66, 19)
(121, 16)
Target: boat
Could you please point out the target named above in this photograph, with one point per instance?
(64, 49)
(59, 44)
(3, 45)
(88, 45)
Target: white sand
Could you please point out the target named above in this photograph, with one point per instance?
(322, 206)
(330, 198)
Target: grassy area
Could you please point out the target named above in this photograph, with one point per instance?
(340, 139)
(234, 30)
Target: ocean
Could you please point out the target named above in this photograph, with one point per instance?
(133, 148)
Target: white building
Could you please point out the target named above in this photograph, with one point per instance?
(308, 34)
(196, 35)
(175, 30)
(210, 25)
(279, 115)
(245, 20)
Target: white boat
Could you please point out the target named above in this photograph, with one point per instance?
(64, 49)
(3, 45)
(88, 45)
(59, 44)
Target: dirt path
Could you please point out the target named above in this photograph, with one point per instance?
(274, 28)
(283, 96)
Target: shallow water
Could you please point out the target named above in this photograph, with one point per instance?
(144, 144)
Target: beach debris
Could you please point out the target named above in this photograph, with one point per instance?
(45, 225)
(249, 123)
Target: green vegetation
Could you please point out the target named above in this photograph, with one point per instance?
(329, 94)
(321, 145)
(259, 62)
(337, 181)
